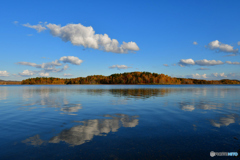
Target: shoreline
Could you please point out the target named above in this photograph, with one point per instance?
(112, 84)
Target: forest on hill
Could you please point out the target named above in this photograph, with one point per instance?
(126, 78)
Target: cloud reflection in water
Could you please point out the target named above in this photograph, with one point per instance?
(80, 134)
(224, 121)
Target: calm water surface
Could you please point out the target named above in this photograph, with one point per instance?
(119, 121)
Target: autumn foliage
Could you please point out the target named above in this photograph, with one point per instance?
(126, 78)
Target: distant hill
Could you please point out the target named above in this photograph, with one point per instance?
(126, 78)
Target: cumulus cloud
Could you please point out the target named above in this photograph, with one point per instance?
(81, 35)
(204, 62)
(221, 47)
(238, 43)
(195, 43)
(46, 67)
(233, 76)
(65, 67)
(214, 76)
(71, 59)
(229, 62)
(53, 69)
(44, 74)
(119, 67)
(222, 75)
(203, 68)
(186, 62)
(39, 27)
(198, 76)
(27, 64)
(4, 74)
(125, 47)
(43, 65)
(67, 75)
(26, 73)
(166, 65)
(219, 75)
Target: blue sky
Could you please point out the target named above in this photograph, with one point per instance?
(66, 38)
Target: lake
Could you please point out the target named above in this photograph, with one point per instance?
(119, 121)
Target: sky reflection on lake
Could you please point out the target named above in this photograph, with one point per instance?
(118, 121)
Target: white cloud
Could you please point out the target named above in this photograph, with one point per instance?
(198, 76)
(229, 62)
(235, 76)
(206, 62)
(65, 67)
(219, 75)
(47, 67)
(44, 74)
(185, 62)
(213, 76)
(51, 64)
(81, 35)
(26, 73)
(231, 55)
(39, 27)
(67, 75)
(166, 65)
(43, 65)
(28, 64)
(222, 75)
(119, 67)
(4, 74)
(203, 68)
(216, 45)
(71, 59)
(53, 69)
(238, 43)
(195, 43)
(128, 46)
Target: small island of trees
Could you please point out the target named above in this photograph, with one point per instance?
(126, 78)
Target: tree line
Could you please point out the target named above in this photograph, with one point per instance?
(2, 82)
(126, 78)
